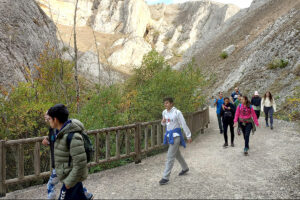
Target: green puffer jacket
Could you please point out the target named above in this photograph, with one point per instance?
(77, 171)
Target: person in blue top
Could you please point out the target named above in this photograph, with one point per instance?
(218, 103)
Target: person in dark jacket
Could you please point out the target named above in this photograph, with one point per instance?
(53, 180)
(227, 113)
(256, 103)
(235, 94)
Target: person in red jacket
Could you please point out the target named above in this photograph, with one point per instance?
(246, 116)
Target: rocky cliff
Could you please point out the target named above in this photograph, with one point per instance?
(265, 54)
(132, 28)
(260, 44)
(24, 32)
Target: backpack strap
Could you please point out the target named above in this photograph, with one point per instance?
(69, 138)
(241, 106)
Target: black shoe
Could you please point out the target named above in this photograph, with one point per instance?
(163, 181)
(91, 198)
(267, 125)
(183, 172)
(232, 144)
(221, 131)
(225, 145)
(271, 127)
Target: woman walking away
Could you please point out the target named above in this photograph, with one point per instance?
(256, 103)
(227, 113)
(268, 106)
(247, 120)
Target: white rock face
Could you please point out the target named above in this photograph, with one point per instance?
(229, 50)
(62, 11)
(128, 16)
(107, 16)
(137, 16)
(88, 65)
(170, 29)
(131, 54)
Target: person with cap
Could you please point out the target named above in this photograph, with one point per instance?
(256, 103)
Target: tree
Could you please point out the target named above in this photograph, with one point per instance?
(75, 60)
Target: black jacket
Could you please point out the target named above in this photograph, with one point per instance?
(256, 101)
(224, 115)
(51, 138)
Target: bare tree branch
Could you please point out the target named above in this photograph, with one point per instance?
(75, 60)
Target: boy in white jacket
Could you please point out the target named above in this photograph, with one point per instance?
(174, 121)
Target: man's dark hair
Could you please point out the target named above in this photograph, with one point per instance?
(169, 99)
(60, 112)
(226, 98)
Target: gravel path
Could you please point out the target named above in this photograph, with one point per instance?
(272, 170)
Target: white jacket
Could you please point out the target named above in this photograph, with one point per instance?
(267, 103)
(174, 119)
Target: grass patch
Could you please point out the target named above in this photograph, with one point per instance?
(224, 55)
(278, 63)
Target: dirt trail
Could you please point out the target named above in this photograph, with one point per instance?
(272, 170)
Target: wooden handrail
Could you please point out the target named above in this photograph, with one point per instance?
(196, 121)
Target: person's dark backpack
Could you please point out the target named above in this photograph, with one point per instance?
(88, 146)
(227, 114)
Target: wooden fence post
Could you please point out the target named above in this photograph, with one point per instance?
(107, 146)
(118, 144)
(21, 161)
(152, 136)
(127, 141)
(2, 168)
(97, 150)
(158, 135)
(37, 159)
(137, 143)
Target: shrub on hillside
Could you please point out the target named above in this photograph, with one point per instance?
(278, 63)
(224, 55)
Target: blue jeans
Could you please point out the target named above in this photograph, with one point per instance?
(269, 113)
(53, 180)
(246, 132)
(220, 122)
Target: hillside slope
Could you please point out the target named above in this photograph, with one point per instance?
(263, 34)
(24, 32)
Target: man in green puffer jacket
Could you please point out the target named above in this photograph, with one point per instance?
(70, 162)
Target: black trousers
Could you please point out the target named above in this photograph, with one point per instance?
(257, 112)
(225, 126)
(246, 132)
(74, 193)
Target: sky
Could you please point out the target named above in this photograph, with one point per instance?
(239, 3)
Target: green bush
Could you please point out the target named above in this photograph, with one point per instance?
(278, 63)
(224, 55)
(157, 81)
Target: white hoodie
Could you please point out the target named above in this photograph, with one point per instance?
(174, 119)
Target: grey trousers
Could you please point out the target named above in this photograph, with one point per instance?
(174, 152)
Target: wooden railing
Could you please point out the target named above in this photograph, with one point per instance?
(147, 136)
